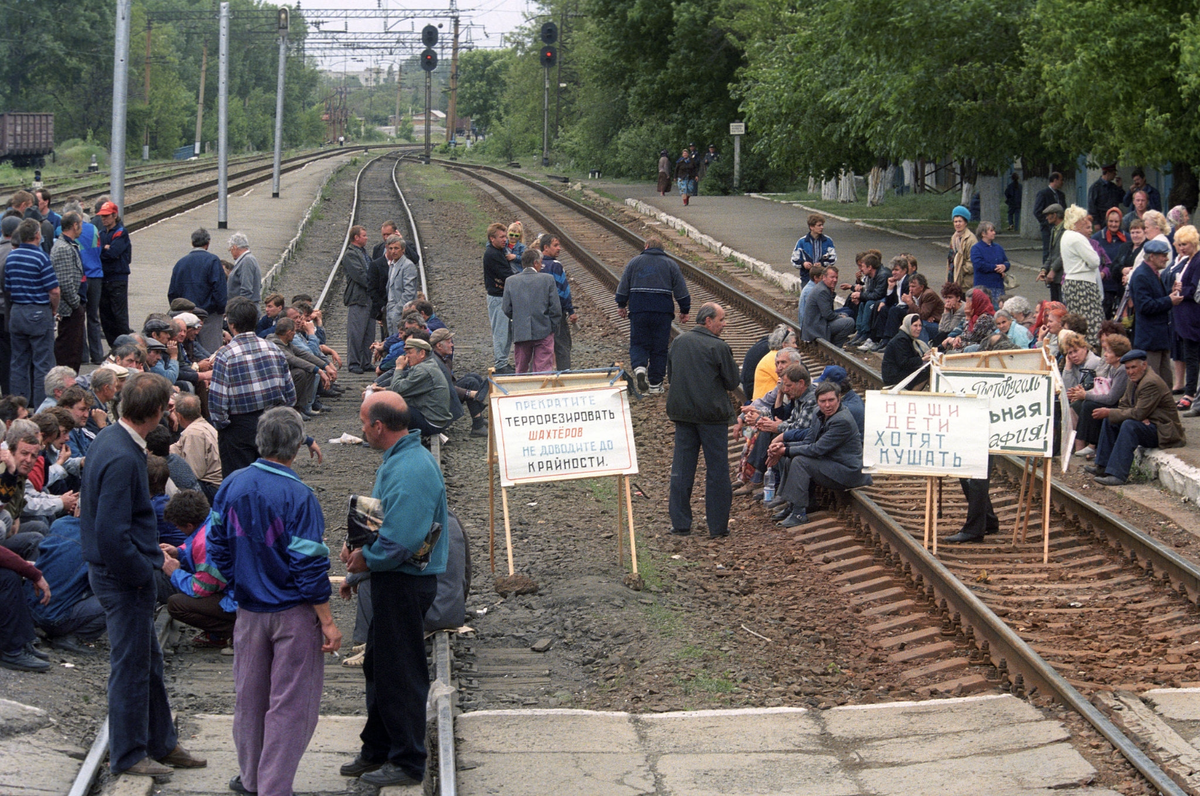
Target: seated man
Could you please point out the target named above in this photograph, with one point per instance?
(819, 319)
(788, 406)
(75, 616)
(423, 387)
(158, 443)
(200, 598)
(470, 388)
(307, 369)
(17, 650)
(75, 400)
(1146, 416)
(23, 533)
(197, 444)
(830, 455)
(871, 315)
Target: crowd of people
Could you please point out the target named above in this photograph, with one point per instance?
(687, 170)
(163, 478)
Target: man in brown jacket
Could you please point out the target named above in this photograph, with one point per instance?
(1145, 417)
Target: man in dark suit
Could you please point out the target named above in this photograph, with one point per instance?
(1152, 305)
(821, 321)
(1050, 195)
(119, 535)
(199, 278)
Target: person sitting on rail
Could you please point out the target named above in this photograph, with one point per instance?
(870, 315)
(790, 405)
(830, 455)
(897, 306)
(272, 307)
(422, 306)
(41, 503)
(74, 617)
(471, 388)
(927, 304)
(314, 329)
(307, 369)
(766, 370)
(820, 320)
(851, 400)
(423, 387)
(199, 597)
(311, 336)
(1146, 417)
(905, 354)
(17, 635)
(195, 362)
(392, 349)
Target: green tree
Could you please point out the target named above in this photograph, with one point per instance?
(481, 82)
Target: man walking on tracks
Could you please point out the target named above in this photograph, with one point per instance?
(408, 552)
(702, 371)
(357, 298)
(651, 285)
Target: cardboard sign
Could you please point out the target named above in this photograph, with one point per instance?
(1021, 420)
(1035, 360)
(558, 435)
(921, 433)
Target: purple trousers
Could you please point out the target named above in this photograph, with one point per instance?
(534, 356)
(278, 671)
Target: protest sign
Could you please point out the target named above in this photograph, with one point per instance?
(1037, 360)
(1021, 409)
(926, 434)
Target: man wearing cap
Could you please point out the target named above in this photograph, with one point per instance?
(199, 277)
(1105, 192)
(34, 294)
(1052, 267)
(1152, 306)
(531, 301)
(1145, 417)
(162, 360)
(423, 387)
(116, 254)
(470, 389)
(1050, 195)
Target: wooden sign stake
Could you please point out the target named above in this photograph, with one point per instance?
(1046, 513)
(620, 529)
(507, 530)
(629, 511)
(934, 508)
(1021, 496)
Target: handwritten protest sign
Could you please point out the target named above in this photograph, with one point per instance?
(1036, 360)
(563, 434)
(926, 434)
(1022, 406)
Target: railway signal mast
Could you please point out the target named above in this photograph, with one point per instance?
(549, 57)
(429, 37)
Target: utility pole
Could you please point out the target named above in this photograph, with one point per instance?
(223, 119)
(120, 104)
(283, 32)
(452, 114)
(399, 87)
(146, 138)
(200, 101)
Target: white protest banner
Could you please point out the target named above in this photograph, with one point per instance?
(557, 435)
(920, 433)
(1022, 406)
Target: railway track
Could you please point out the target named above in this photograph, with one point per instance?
(1113, 609)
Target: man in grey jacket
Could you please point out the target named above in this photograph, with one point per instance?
(357, 298)
(701, 369)
(820, 319)
(531, 301)
(246, 277)
(830, 455)
(402, 282)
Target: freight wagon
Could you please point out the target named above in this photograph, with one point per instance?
(26, 138)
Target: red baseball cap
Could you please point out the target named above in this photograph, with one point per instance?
(107, 209)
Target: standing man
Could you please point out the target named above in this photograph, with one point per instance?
(30, 282)
(8, 228)
(1105, 192)
(1050, 195)
(280, 580)
(651, 285)
(1052, 267)
(531, 301)
(250, 376)
(93, 272)
(119, 534)
(1152, 305)
(562, 335)
(245, 279)
(410, 550)
(403, 281)
(815, 248)
(199, 278)
(357, 298)
(496, 272)
(68, 269)
(702, 372)
(1153, 197)
(116, 254)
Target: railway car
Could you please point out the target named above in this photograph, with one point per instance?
(26, 138)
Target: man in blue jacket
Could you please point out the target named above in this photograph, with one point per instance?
(119, 532)
(409, 551)
(1152, 306)
(199, 278)
(815, 248)
(651, 285)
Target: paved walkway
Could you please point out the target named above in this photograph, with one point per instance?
(269, 223)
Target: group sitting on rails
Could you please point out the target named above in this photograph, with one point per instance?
(163, 477)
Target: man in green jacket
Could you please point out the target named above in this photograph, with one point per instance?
(701, 370)
(423, 387)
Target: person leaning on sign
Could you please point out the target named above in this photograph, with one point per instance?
(1145, 417)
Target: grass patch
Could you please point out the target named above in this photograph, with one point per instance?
(439, 185)
(912, 208)
(704, 683)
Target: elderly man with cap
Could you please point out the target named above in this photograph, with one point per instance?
(1050, 195)
(1052, 267)
(1152, 306)
(470, 389)
(1145, 417)
(199, 277)
(423, 387)
(116, 254)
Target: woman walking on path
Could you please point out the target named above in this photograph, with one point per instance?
(685, 175)
(664, 173)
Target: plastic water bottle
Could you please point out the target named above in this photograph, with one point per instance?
(769, 486)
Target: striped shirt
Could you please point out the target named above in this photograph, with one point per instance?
(28, 275)
(249, 375)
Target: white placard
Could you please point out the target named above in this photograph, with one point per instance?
(737, 128)
(926, 434)
(563, 434)
(1021, 420)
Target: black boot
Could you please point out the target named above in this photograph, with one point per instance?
(479, 426)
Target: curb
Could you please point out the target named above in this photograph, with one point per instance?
(1172, 473)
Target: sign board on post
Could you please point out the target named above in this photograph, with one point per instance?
(563, 434)
(1021, 418)
(927, 434)
(737, 128)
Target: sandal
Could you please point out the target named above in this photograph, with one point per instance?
(1184, 403)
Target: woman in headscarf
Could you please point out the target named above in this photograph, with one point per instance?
(664, 173)
(960, 270)
(905, 354)
(981, 323)
(1082, 291)
(1115, 243)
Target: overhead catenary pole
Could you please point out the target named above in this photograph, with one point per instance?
(223, 120)
(120, 104)
(546, 119)
(279, 116)
(146, 137)
(200, 101)
(399, 88)
(452, 110)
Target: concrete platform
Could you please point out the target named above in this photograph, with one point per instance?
(30, 744)
(270, 224)
(761, 233)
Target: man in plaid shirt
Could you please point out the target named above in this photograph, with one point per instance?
(250, 376)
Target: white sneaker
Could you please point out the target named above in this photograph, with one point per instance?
(1088, 451)
(655, 389)
(643, 382)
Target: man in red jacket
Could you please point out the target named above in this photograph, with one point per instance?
(16, 623)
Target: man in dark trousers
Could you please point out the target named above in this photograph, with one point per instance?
(199, 278)
(497, 268)
(119, 534)
(404, 560)
(357, 298)
(981, 517)
(1050, 195)
(651, 285)
(702, 373)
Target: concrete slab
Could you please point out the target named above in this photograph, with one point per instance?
(537, 774)
(759, 774)
(269, 223)
(936, 717)
(997, 740)
(1177, 704)
(44, 751)
(780, 730)
(516, 731)
(16, 718)
(1033, 771)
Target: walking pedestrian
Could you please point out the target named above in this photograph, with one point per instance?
(651, 285)
(116, 254)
